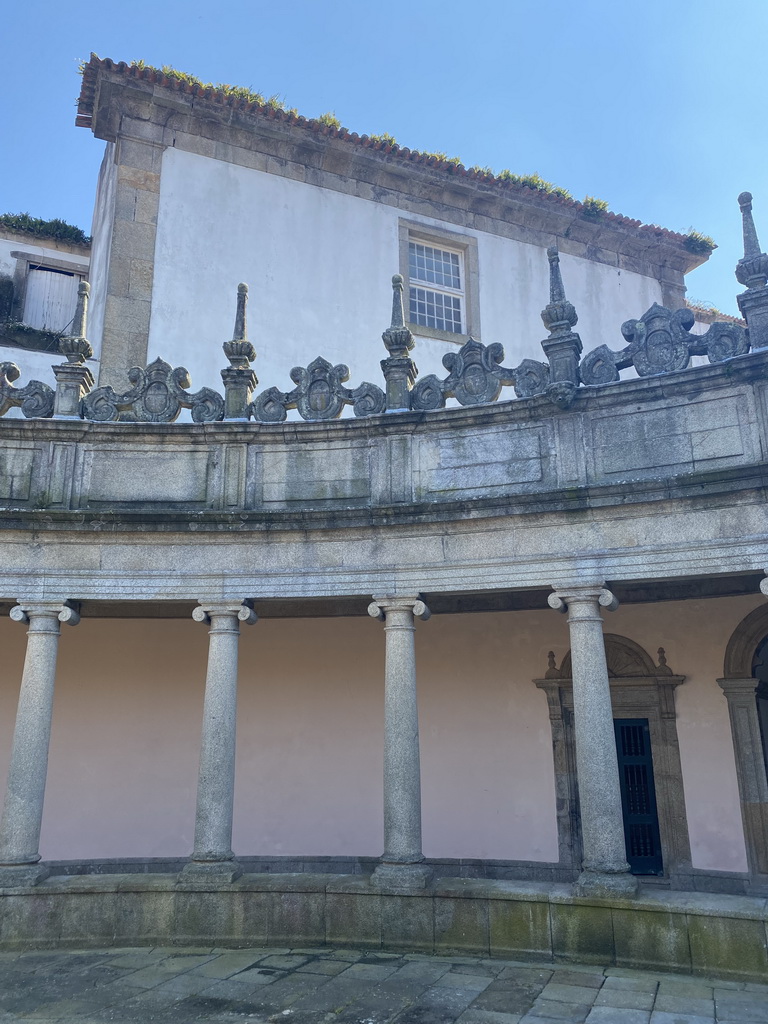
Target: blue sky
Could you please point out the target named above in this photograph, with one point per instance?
(655, 106)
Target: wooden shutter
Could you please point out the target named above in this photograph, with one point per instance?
(50, 300)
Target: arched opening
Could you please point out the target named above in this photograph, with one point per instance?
(745, 684)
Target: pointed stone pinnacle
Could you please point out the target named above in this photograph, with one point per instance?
(751, 243)
(752, 269)
(239, 351)
(556, 289)
(75, 347)
(559, 315)
(241, 326)
(398, 312)
(79, 324)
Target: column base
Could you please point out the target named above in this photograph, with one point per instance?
(16, 875)
(605, 883)
(218, 870)
(390, 877)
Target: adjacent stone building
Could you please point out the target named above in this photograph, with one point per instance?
(587, 784)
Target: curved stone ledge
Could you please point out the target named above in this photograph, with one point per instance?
(699, 433)
(689, 933)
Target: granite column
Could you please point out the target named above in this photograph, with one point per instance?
(605, 871)
(25, 793)
(213, 853)
(401, 865)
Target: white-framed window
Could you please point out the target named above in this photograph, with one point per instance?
(436, 286)
(441, 274)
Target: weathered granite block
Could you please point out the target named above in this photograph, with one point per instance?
(144, 917)
(215, 916)
(651, 940)
(353, 919)
(730, 947)
(296, 917)
(520, 929)
(407, 922)
(30, 919)
(582, 932)
(88, 917)
(461, 924)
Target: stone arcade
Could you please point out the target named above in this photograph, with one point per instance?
(508, 823)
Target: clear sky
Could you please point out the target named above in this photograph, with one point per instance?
(657, 106)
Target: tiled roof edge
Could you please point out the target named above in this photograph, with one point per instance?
(86, 100)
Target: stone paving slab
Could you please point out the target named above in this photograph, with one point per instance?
(322, 985)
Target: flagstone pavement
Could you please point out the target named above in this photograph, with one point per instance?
(345, 986)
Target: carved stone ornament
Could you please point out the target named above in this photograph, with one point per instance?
(562, 393)
(158, 395)
(476, 377)
(319, 395)
(661, 342)
(35, 400)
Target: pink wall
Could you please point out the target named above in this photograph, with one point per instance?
(124, 747)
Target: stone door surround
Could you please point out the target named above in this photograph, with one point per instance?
(739, 687)
(639, 689)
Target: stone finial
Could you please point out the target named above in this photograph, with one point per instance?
(398, 311)
(563, 346)
(552, 672)
(752, 270)
(399, 369)
(663, 667)
(239, 350)
(73, 378)
(239, 379)
(241, 325)
(559, 315)
(75, 347)
(397, 338)
(751, 243)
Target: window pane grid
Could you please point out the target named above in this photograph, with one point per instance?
(436, 310)
(434, 266)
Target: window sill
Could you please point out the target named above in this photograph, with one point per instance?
(431, 332)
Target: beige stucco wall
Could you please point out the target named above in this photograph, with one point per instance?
(123, 763)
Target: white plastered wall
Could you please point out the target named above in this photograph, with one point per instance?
(123, 766)
(319, 265)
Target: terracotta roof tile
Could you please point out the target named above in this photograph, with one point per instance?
(88, 95)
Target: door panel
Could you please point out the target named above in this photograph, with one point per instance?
(638, 796)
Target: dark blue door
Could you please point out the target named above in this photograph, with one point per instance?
(638, 796)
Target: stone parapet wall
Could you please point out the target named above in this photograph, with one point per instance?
(619, 443)
(697, 934)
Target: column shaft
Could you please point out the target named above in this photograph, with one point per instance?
(605, 868)
(216, 778)
(25, 792)
(401, 865)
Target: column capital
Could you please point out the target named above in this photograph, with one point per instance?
(242, 610)
(413, 603)
(26, 611)
(738, 688)
(566, 597)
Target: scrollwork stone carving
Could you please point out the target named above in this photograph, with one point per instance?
(319, 395)
(158, 395)
(661, 342)
(35, 399)
(476, 377)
